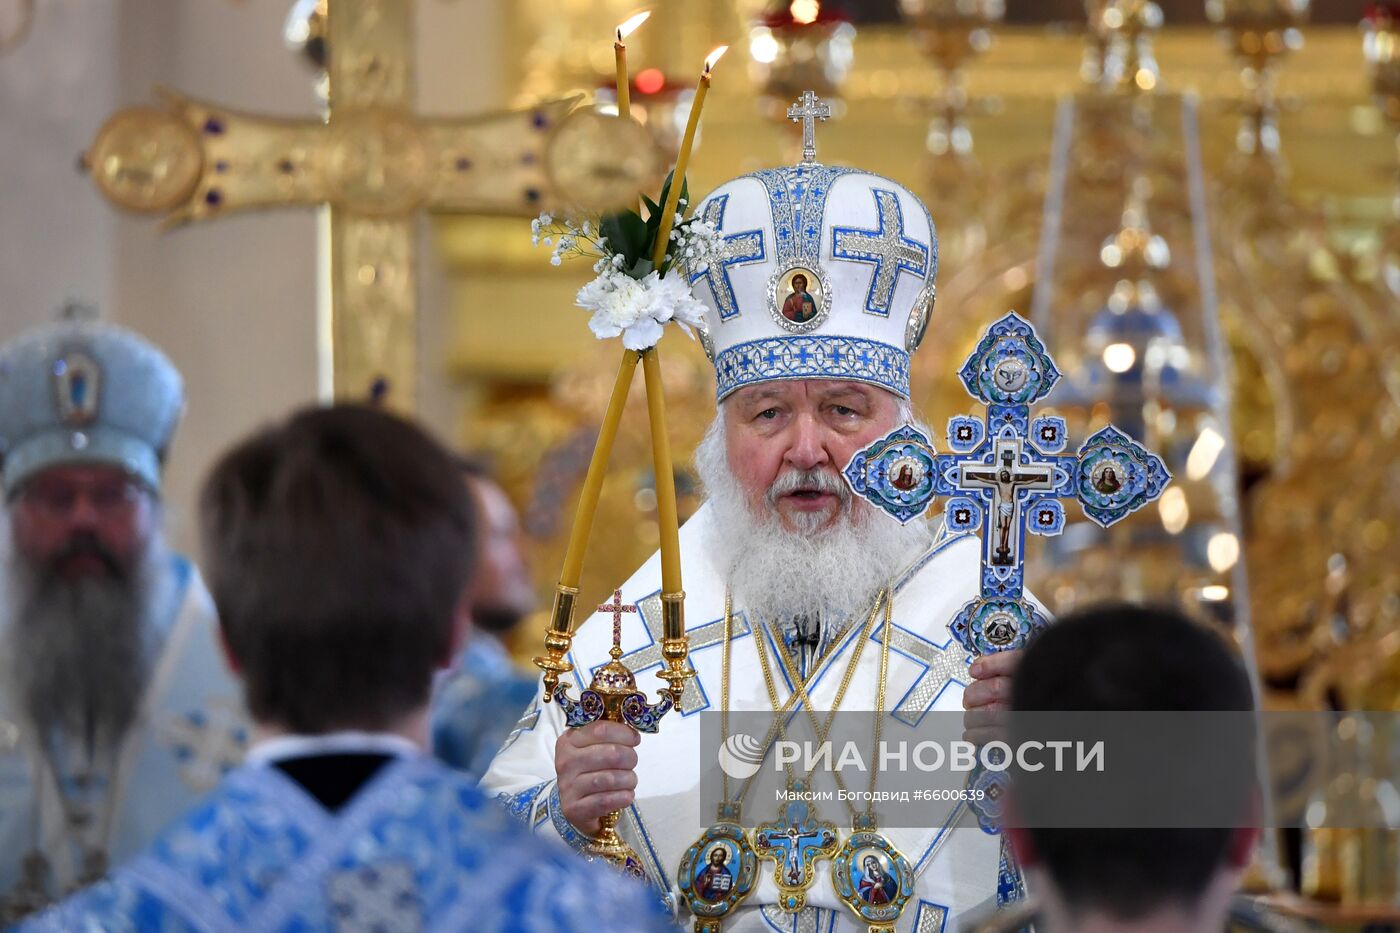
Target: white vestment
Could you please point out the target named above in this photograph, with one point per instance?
(190, 730)
(957, 865)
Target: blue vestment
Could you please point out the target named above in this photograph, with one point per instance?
(478, 704)
(417, 848)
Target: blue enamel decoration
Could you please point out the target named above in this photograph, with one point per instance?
(873, 878)
(986, 626)
(1010, 365)
(77, 387)
(794, 842)
(1007, 476)
(588, 708)
(962, 514)
(1117, 476)
(990, 806)
(1050, 434)
(896, 473)
(965, 434)
(643, 716)
(1047, 517)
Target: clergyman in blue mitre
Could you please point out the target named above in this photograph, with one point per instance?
(116, 708)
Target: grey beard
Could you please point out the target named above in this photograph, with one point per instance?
(831, 574)
(80, 652)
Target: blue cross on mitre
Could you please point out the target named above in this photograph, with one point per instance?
(886, 247)
(735, 249)
(1006, 475)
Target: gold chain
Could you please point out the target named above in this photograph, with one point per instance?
(800, 686)
(887, 598)
(774, 729)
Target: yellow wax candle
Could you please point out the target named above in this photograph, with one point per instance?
(668, 210)
(624, 83)
(666, 517)
(597, 469)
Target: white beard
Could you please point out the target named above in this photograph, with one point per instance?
(831, 574)
(78, 654)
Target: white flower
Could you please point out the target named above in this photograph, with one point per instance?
(636, 310)
(673, 300)
(555, 260)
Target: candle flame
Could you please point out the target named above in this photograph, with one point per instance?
(714, 57)
(631, 24)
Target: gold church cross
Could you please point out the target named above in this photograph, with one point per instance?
(373, 164)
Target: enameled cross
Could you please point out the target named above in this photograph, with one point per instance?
(1008, 474)
(1005, 476)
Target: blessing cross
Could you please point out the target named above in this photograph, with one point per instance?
(808, 109)
(794, 843)
(1006, 476)
(373, 164)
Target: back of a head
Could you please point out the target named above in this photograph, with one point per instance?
(1125, 659)
(338, 545)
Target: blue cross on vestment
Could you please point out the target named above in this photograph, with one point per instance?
(735, 249)
(886, 248)
(1006, 475)
(795, 841)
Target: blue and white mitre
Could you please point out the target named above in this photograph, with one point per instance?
(823, 272)
(85, 392)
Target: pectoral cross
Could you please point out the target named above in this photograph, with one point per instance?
(795, 842)
(808, 109)
(372, 164)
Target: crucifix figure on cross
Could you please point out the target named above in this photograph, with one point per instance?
(795, 842)
(808, 109)
(1005, 481)
(1006, 476)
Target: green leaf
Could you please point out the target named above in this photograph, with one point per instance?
(640, 268)
(653, 209)
(627, 235)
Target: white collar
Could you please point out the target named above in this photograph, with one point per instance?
(281, 747)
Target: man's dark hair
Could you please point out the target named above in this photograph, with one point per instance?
(338, 545)
(1130, 658)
